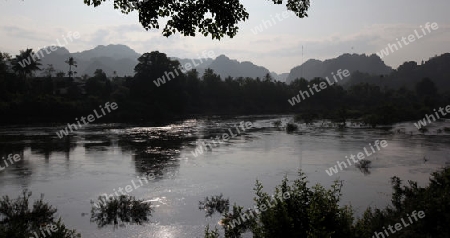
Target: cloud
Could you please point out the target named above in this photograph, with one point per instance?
(279, 52)
(19, 32)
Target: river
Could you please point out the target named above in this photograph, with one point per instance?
(102, 158)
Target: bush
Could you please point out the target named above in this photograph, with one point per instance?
(290, 127)
(214, 204)
(295, 211)
(124, 208)
(277, 123)
(433, 200)
(19, 221)
(363, 166)
(315, 212)
(423, 129)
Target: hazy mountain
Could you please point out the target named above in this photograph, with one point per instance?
(279, 77)
(115, 52)
(199, 64)
(225, 67)
(110, 58)
(353, 62)
(98, 64)
(409, 73)
(123, 59)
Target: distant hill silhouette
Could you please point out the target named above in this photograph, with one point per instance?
(409, 73)
(353, 62)
(280, 77)
(110, 58)
(116, 52)
(370, 69)
(123, 59)
(225, 67)
(199, 64)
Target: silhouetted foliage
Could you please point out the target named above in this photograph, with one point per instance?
(433, 200)
(161, 90)
(363, 165)
(290, 127)
(123, 209)
(215, 18)
(316, 212)
(17, 220)
(25, 63)
(295, 210)
(214, 204)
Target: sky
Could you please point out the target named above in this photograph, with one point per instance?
(331, 29)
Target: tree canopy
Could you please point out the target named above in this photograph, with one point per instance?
(208, 17)
(162, 90)
(25, 63)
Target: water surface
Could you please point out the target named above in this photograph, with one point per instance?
(102, 158)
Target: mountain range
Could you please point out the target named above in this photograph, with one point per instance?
(353, 62)
(122, 60)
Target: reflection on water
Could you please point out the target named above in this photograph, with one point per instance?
(100, 158)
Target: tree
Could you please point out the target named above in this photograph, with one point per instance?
(426, 87)
(26, 63)
(71, 62)
(294, 210)
(18, 220)
(5, 59)
(99, 74)
(49, 70)
(268, 78)
(217, 18)
(60, 74)
(98, 85)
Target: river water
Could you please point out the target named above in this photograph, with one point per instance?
(102, 158)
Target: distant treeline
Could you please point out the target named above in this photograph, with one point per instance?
(28, 99)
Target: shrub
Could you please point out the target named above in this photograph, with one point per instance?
(433, 200)
(290, 127)
(17, 220)
(423, 129)
(315, 212)
(213, 204)
(301, 212)
(124, 208)
(363, 166)
(277, 123)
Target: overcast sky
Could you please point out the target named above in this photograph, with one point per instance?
(332, 28)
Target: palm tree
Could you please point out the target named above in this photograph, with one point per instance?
(25, 63)
(71, 62)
